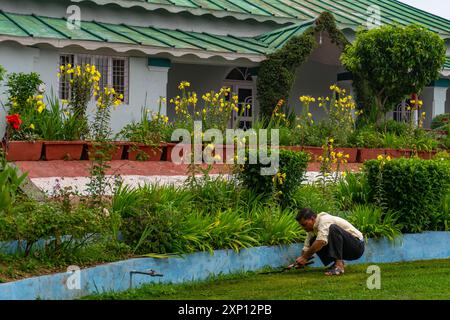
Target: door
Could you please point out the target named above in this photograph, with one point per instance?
(242, 119)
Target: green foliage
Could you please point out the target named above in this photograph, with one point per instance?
(395, 61)
(10, 182)
(277, 74)
(152, 129)
(315, 198)
(21, 86)
(412, 187)
(276, 226)
(351, 190)
(441, 121)
(373, 223)
(292, 168)
(29, 222)
(2, 73)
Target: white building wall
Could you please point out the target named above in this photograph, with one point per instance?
(203, 79)
(145, 85)
(313, 79)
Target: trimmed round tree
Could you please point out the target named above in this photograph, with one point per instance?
(395, 62)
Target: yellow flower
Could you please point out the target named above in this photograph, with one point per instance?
(41, 108)
(32, 126)
(380, 157)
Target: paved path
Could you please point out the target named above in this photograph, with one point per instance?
(49, 176)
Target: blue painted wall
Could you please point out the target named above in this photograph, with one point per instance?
(199, 266)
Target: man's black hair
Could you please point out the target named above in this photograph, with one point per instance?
(306, 214)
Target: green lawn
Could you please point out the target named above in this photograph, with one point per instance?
(411, 280)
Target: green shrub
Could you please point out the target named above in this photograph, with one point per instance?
(412, 187)
(373, 223)
(351, 190)
(10, 182)
(276, 226)
(313, 197)
(292, 164)
(440, 121)
(31, 221)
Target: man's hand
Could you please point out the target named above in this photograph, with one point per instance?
(301, 261)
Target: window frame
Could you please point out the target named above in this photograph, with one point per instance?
(93, 59)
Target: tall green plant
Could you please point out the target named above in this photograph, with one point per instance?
(395, 62)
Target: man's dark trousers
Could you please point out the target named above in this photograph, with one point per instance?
(341, 246)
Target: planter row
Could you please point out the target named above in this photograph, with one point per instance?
(359, 155)
(80, 150)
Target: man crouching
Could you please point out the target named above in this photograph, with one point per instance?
(333, 239)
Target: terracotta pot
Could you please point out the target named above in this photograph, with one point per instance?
(352, 152)
(63, 150)
(179, 151)
(225, 152)
(24, 150)
(116, 152)
(292, 148)
(142, 152)
(398, 153)
(315, 152)
(365, 154)
(427, 155)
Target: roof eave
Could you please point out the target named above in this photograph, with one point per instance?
(123, 48)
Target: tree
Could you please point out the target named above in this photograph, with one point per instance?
(395, 62)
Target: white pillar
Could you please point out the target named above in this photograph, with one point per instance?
(439, 97)
(159, 79)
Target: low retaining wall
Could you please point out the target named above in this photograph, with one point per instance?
(199, 266)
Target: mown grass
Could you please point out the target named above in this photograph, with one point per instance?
(399, 281)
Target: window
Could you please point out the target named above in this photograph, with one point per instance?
(114, 71)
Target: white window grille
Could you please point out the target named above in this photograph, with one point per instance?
(114, 71)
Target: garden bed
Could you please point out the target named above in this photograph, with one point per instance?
(115, 277)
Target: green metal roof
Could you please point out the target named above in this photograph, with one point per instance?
(447, 63)
(276, 39)
(347, 12)
(18, 25)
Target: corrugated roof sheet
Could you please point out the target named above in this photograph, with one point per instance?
(348, 12)
(447, 63)
(18, 25)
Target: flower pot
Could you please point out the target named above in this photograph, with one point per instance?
(365, 154)
(115, 153)
(315, 152)
(427, 155)
(142, 152)
(175, 152)
(352, 153)
(63, 150)
(292, 148)
(398, 153)
(24, 150)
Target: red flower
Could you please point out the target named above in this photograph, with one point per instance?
(14, 121)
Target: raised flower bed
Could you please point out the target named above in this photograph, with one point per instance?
(116, 152)
(142, 152)
(23, 150)
(63, 150)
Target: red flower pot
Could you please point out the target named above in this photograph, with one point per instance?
(142, 152)
(352, 153)
(115, 153)
(63, 150)
(24, 150)
(177, 150)
(315, 152)
(398, 153)
(427, 155)
(292, 148)
(365, 154)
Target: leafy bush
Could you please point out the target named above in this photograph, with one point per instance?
(314, 197)
(373, 223)
(10, 182)
(21, 86)
(413, 187)
(440, 121)
(31, 221)
(290, 175)
(351, 190)
(276, 226)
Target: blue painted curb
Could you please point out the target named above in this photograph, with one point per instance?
(199, 266)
